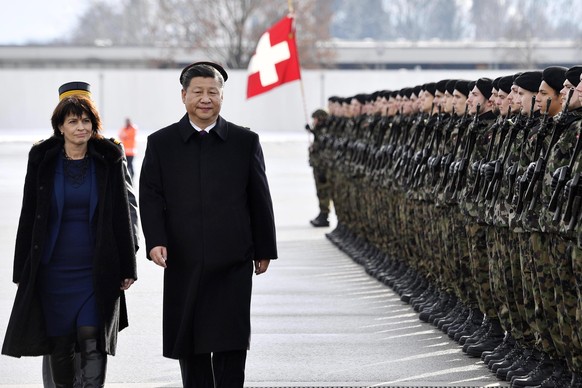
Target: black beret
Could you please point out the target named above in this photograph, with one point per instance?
(395, 93)
(75, 87)
(555, 77)
(573, 74)
(517, 75)
(211, 64)
(529, 80)
(496, 83)
(441, 86)
(505, 84)
(361, 98)
(485, 86)
(416, 90)
(471, 86)
(386, 94)
(451, 86)
(463, 87)
(406, 92)
(429, 87)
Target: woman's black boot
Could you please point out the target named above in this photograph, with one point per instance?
(93, 364)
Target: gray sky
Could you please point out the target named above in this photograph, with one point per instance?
(25, 21)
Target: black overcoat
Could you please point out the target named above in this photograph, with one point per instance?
(206, 198)
(114, 258)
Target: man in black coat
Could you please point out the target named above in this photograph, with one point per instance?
(207, 217)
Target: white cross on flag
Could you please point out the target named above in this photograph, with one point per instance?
(275, 61)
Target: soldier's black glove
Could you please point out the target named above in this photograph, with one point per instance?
(487, 170)
(529, 173)
(560, 171)
(475, 168)
(307, 127)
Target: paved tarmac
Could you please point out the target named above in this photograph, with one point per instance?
(318, 319)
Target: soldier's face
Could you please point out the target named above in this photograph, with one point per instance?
(476, 98)
(427, 100)
(459, 102)
(575, 101)
(503, 102)
(513, 99)
(492, 99)
(524, 97)
(448, 105)
(544, 93)
(579, 89)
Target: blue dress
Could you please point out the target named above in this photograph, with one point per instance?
(66, 280)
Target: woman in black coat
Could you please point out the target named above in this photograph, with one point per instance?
(75, 252)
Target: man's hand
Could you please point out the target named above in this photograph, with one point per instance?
(159, 255)
(261, 266)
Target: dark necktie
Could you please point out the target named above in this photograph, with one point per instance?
(202, 132)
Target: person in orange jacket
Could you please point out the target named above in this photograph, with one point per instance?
(127, 137)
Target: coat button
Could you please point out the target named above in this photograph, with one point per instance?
(41, 188)
(38, 216)
(35, 247)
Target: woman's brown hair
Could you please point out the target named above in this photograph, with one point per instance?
(76, 105)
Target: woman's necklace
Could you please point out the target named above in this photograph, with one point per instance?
(75, 170)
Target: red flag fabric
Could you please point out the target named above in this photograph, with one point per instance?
(275, 61)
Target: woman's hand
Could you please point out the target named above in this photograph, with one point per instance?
(126, 283)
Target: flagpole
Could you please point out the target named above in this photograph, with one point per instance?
(292, 15)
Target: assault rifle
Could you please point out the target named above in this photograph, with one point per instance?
(572, 212)
(477, 184)
(523, 182)
(555, 205)
(497, 167)
(448, 161)
(495, 185)
(470, 144)
(540, 168)
(420, 170)
(434, 162)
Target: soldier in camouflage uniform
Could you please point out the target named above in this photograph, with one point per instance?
(548, 202)
(319, 129)
(479, 138)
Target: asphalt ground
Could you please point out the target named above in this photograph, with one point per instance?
(318, 320)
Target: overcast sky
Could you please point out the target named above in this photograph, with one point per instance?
(27, 21)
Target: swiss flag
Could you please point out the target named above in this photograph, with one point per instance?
(275, 61)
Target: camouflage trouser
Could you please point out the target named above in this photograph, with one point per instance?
(566, 299)
(576, 254)
(447, 278)
(499, 274)
(479, 262)
(537, 272)
(462, 260)
(520, 329)
(323, 189)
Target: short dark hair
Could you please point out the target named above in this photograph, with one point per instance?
(76, 105)
(205, 71)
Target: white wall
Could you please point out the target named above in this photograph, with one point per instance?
(152, 97)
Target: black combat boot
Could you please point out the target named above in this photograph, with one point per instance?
(93, 364)
(500, 351)
(468, 340)
(543, 370)
(472, 326)
(491, 340)
(517, 362)
(320, 221)
(527, 366)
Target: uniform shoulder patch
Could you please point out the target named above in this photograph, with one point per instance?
(116, 141)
